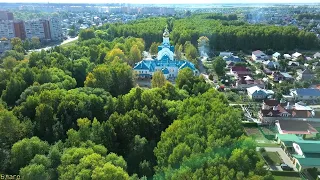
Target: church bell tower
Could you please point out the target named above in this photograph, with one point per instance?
(166, 37)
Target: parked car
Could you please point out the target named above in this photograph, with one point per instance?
(286, 167)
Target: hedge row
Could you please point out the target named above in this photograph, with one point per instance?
(285, 173)
(250, 124)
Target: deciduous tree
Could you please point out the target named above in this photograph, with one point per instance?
(158, 79)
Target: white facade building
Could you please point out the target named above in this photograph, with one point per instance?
(6, 29)
(34, 28)
(55, 29)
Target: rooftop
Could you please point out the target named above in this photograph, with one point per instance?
(309, 162)
(313, 147)
(239, 68)
(286, 75)
(297, 139)
(288, 137)
(258, 53)
(296, 54)
(251, 90)
(307, 92)
(276, 54)
(295, 127)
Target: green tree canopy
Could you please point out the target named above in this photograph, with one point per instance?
(154, 48)
(115, 78)
(86, 34)
(219, 66)
(23, 151)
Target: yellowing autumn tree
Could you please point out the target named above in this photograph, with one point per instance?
(115, 53)
(158, 79)
(135, 55)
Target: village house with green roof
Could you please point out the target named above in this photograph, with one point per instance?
(303, 153)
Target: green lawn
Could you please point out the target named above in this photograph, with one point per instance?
(69, 43)
(272, 158)
(286, 178)
(267, 145)
(256, 134)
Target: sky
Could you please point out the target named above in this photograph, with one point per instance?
(164, 1)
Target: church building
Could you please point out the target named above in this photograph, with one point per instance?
(165, 62)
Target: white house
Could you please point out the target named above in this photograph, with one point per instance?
(259, 56)
(227, 54)
(287, 56)
(276, 56)
(316, 55)
(257, 93)
(296, 55)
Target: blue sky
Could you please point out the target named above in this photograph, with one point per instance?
(165, 1)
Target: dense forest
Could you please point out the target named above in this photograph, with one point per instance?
(223, 35)
(74, 112)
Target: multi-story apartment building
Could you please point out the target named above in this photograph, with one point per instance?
(34, 28)
(46, 28)
(19, 29)
(7, 29)
(5, 15)
(55, 29)
(5, 45)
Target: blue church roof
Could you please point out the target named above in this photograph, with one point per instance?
(145, 65)
(187, 64)
(164, 59)
(165, 71)
(141, 65)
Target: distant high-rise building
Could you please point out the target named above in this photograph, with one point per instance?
(7, 29)
(46, 28)
(5, 45)
(34, 28)
(5, 15)
(19, 29)
(55, 29)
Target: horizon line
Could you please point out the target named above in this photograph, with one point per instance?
(160, 3)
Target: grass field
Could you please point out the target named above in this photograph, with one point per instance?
(272, 158)
(70, 43)
(256, 134)
(286, 178)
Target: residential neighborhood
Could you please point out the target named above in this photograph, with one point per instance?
(280, 94)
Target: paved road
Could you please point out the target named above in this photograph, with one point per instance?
(201, 66)
(49, 47)
(282, 155)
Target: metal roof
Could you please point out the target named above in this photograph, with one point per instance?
(307, 92)
(310, 147)
(309, 162)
